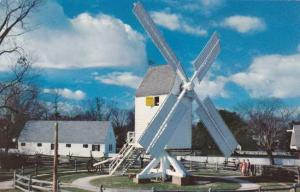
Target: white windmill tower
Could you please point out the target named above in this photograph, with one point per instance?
(170, 124)
(164, 108)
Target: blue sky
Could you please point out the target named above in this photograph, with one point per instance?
(97, 47)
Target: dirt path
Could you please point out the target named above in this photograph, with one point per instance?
(84, 183)
(244, 183)
(6, 185)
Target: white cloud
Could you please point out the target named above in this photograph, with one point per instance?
(212, 87)
(244, 24)
(67, 93)
(121, 79)
(83, 41)
(271, 76)
(176, 22)
(200, 6)
(211, 3)
(65, 108)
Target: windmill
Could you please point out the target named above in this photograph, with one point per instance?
(167, 119)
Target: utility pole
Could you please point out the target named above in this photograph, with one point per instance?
(55, 160)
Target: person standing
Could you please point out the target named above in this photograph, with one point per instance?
(243, 168)
(248, 167)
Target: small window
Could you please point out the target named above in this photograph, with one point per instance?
(39, 144)
(149, 101)
(23, 144)
(52, 146)
(156, 101)
(95, 147)
(110, 147)
(85, 145)
(68, 145)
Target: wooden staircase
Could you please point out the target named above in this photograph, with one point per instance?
(127, 156)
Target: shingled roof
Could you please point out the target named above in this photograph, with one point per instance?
(159, 80)
(86, 132)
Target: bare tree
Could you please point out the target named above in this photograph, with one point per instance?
(97, 109)
(13, 23)
(18, 103)
(267, 120)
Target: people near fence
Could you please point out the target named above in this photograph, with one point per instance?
(243, 167)
(248, 166)
(237, 164)
(252, 169)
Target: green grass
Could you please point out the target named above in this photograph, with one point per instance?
(125, 182)
(74, 189)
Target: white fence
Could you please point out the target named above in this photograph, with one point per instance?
(27, 183)
(253, 160)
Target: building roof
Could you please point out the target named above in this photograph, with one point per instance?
(159, 80)
(295, 138)
(85, 132)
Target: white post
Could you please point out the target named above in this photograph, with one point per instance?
(14, 182)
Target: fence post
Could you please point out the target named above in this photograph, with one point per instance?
(75, 165)
(259, 189)
(36, 169)
(29, 183)
(58, 185)
(295, 187)
(22, 170)
(14, 182)
(298, 175)
(153, 189)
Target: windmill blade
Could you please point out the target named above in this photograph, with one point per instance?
(163, 125)
(220, 122)
(158, 40)
(220, 134)
(207, 56)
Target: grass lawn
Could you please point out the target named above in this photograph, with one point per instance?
(125, 182)
(74, 189)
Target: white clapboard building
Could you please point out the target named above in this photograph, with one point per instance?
(157, 84)
(295, 137)
(76, 138)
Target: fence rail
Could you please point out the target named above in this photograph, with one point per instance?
(27, 183)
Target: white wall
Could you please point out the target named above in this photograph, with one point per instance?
(76, 149)
(143, 115)
(31, 148)
(110, 140)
